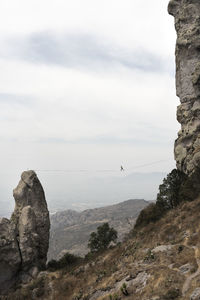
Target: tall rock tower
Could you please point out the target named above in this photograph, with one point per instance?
(24, 239)
(31, 221)
(187, 24)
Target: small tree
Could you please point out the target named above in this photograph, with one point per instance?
(101, 239)
(169, 192)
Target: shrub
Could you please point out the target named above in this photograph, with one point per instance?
(53, 264)
(90, 256)
(67, 260)
(169, 196)
(149, 214)
(124, 289)
(171, 294)
(101, 239)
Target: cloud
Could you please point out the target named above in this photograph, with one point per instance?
(16, 99)
(64, 105)
(76, 50)
(144, 135)
(85, 85)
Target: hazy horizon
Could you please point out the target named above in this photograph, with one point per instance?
(90, 191)
(86, 85)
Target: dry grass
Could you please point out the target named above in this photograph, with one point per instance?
(103, 275)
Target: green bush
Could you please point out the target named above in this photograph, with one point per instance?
(101, 239)
(151, 213)
(67, 260)
(53, 264)
(114, 297)
(124, 289)
(170, 195)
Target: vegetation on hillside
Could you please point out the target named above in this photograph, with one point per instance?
(175, 189)
(66, 261)
(160, 262)
(101, 239)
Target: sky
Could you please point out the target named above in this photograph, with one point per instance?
(85, 86)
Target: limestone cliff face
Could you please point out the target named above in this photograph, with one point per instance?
(24, 239)
(187, 24)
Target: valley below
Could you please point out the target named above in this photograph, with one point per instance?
(70, 230)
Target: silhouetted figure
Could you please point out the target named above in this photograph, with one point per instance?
(122, 169)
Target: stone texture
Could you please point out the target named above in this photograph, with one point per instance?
(187, 24)
(195, 295)
(24, 239)
(28, 237)
(10, 258)
(31, 218)
(162, 248)
(186, 268)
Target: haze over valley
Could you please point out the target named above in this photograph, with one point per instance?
(66, 190)
(88, 86)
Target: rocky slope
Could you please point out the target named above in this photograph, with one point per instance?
(187, 24)
(161, 260)
(24, 239)
(158, 262)
(70, 230)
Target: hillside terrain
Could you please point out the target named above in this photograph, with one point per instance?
(160, 257)
(160, 261)
(70, 230)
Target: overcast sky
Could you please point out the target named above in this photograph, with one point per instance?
(85, 85)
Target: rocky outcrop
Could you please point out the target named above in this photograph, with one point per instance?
(24, 239)
(10, 258)
(187, 24)
(31, 219)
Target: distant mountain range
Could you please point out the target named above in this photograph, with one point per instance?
(83, 191)
(70, 230)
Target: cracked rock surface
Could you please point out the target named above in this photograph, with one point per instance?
(24, 239)
(187, 24)
(10, 259)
